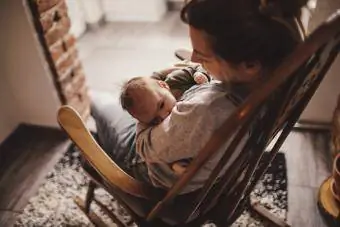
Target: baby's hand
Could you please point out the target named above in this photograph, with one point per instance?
(200, 78)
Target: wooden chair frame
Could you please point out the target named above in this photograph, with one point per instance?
(292, 84)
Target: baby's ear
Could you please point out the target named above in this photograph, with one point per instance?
(163, 84)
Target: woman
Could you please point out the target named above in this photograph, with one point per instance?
(238, 42)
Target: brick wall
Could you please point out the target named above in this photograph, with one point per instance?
(53, 25)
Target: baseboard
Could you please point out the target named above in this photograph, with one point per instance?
(312, 126)
(97, 25)
(175, 5)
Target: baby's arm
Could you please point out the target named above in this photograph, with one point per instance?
(181, 80)
(163, 74)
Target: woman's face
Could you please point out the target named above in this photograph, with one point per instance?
(216, 66)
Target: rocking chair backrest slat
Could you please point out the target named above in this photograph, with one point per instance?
(249, 156)
(232, 173)
(206, 190)
(271, 110)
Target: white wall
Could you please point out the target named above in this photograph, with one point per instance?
(83, 12)
(323, 103)
(29, 94)
(93, 11)
(134, 10)
(8, 107)
(322, 106)
(77, 16)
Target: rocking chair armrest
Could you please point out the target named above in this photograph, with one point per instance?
(74, 126)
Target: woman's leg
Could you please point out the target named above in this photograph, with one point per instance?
(116, 131)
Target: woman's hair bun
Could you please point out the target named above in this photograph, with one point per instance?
(282, 8)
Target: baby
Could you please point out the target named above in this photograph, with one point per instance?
(151, 99)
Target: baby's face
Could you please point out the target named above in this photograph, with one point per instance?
(153, 104)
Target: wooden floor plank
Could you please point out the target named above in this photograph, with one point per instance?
(25, 159)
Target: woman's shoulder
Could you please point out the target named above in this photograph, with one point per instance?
(204, 94)
(205, 98)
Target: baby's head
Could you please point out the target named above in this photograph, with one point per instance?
(148, 100)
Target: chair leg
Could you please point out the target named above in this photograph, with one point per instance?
(85, 205)
(264, 213)
(89, 195)
(113, 217)
(92, 216)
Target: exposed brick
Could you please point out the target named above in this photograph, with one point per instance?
(76, 104)
(65, 63)
(74, 86)
(86, 113)
(78, 95)
(57, 50)
(52, 16)
(78, 82)
(82, 97)
(75, 79)
(47, 21)
(55, 23)
(77, 68)
(67, 78)
(71, 72)
(67, 91)
(58, 31)
(83, 93)
(69, 41)
(82, 106)
(61, 47)
(44, 5)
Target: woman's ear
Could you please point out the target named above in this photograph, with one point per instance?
(163, 84)
(251, 68)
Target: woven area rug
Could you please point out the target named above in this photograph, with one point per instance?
(53, 204)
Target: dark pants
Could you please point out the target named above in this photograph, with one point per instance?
(116, 131)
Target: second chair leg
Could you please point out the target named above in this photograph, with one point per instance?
(89, 195)
(85, 206)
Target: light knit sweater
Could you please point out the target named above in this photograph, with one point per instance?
(200, 111)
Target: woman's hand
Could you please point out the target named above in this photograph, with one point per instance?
(200, 78)
(178, 168)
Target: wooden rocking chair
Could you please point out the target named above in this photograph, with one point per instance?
(271, 111)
